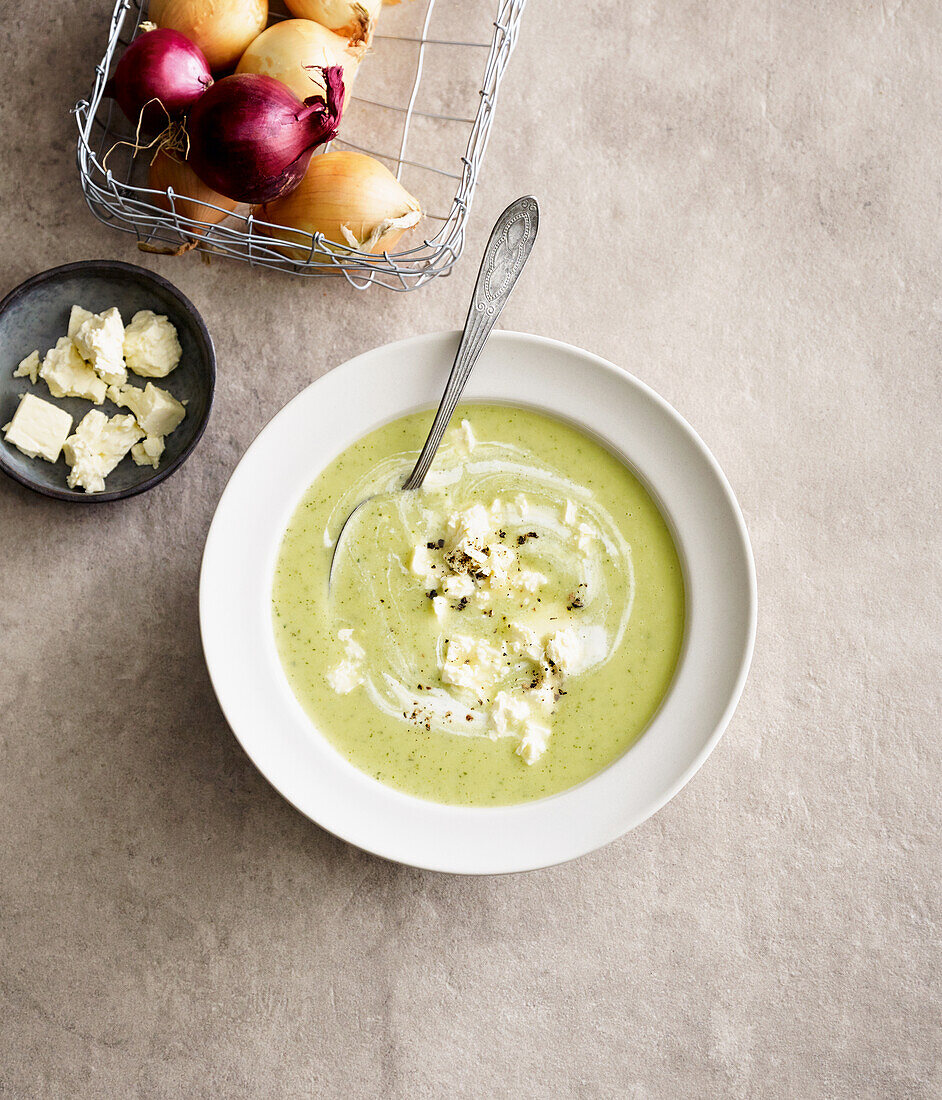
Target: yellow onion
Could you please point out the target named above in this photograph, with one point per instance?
(347, 17)
(350, 198)
(190, 194)
(295, 50)
(221, 28)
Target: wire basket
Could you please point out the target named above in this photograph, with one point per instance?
(415, 94)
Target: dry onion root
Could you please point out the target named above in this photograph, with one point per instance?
(222, 29)
(190, 194)
(352, 199)
(295, 50)
(347, 17)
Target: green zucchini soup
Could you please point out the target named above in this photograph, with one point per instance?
(502, 633)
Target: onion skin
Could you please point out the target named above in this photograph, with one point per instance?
(251, 138)
(341, 188)
(353, 19)
(190, 194)
(160, 65)
(221, 28)
(289, 51)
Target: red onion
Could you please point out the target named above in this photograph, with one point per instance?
(160, 65)
(251, 138)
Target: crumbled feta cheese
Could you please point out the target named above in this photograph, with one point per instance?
(508, 713)
(544, 696)
(467, 434)
(523, 505)
(77, 318)
(533, 742)
(422, 562)
(68, 375)
(525, 642)
(458, 585)
(28, 367)
(347, 675)
(98, 445)
(530, 581)
(38, 428)
(587, 534)
(471, 663)
(440, 607)
(513, 716)
(351, 646)
(469, 532)
(569, 516)
(148, 451)
(158, 412)
(499, 562)
(100, 341)
(343, 678)
(151, 347)
(564, 649)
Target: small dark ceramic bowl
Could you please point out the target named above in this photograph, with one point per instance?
(36, 314)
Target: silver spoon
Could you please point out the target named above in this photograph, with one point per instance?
(508, 249)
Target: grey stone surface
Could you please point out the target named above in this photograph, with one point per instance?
(741, 205)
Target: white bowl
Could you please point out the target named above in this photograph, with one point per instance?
(238, 637)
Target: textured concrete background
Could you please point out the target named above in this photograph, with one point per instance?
(741, 205)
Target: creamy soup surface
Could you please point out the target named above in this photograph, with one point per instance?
(498, 636)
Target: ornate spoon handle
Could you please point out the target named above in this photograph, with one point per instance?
(507, 251)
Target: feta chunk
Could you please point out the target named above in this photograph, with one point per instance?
(533, 742)
(544, 696)
(28, 367)
(158, 412)
(587, 535)
(530, 580)
(469, 532)
(440, 607)
(77, 318)
(38, 428)
(483, 596)
(343, 678)
(564, 649)
(67, 374)
(508, 713)
(569, 516)
(467, 434)
(351, 646)
(498, 565)
(471, 663)
(458, 586)
(100, 340)
(524, 642)
(98, 445)
(151, 347)
(513, 716)
(347, 675)
(473, 525)
(148, 451)
(422, 563)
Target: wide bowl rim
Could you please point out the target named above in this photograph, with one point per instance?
(380, 843)
(74, 496)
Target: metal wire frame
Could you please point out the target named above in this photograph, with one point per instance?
(129, 207)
